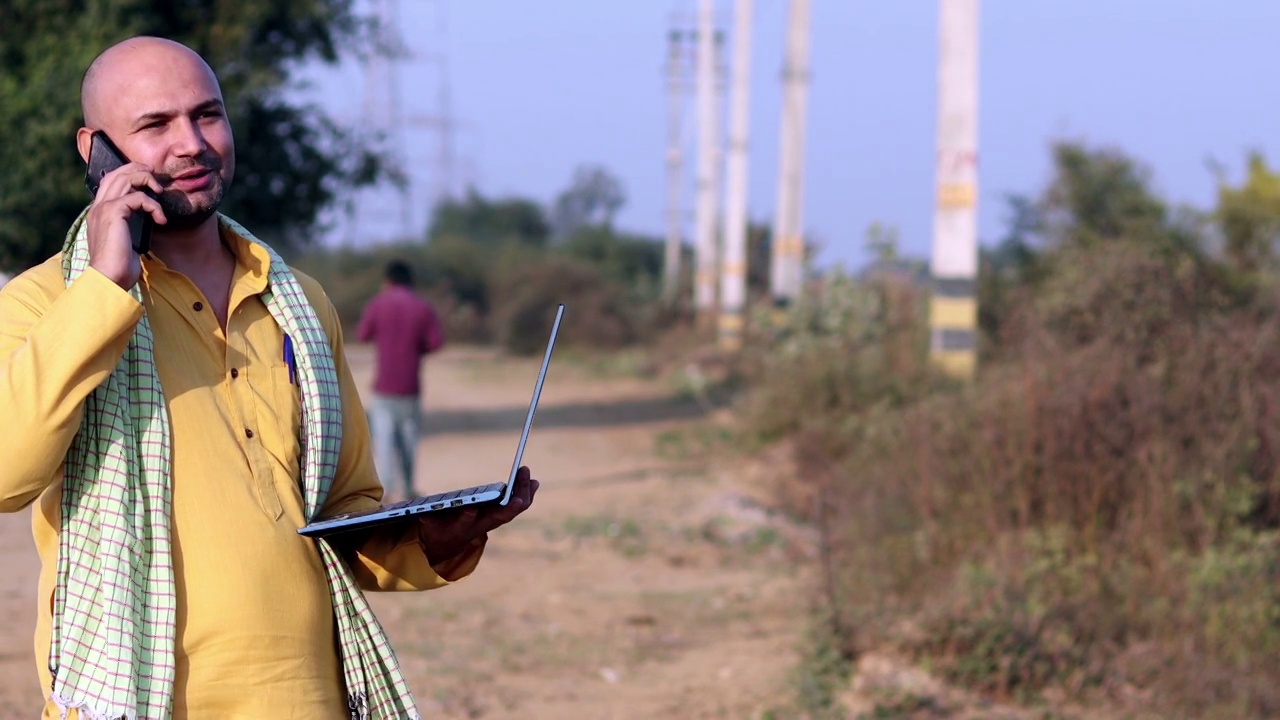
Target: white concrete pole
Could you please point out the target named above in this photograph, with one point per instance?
(708, 140)
(675, 163)
(733, 278)
(787, 273)
(953, 308)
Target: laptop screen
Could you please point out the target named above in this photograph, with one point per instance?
(533, 404)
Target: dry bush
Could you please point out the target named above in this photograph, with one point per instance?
(351, 278)
(851, 346)
(1097, 514)
(505, 293)
(527, 289)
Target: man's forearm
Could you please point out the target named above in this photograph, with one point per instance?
(392, 557)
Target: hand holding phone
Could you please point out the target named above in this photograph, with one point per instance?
(124, 207)
(104, 157)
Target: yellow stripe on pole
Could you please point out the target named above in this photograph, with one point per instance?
(953, 321)
(791, 247)
(956, 363)
(953, 312)
(731, 324)
(953, 196)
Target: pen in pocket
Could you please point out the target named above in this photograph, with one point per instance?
(289, 359)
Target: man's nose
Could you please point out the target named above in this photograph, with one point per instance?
(188, 140)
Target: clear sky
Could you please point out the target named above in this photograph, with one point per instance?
(545, 86)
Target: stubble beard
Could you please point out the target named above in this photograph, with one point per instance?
(183, 211)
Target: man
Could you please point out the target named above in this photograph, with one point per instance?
(404, 328)
(173, 452)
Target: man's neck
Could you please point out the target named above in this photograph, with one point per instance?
(190, 250)
(199, 254)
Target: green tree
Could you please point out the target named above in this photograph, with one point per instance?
(882, 242)
(1248, 216)
(490, 222)
(633, 260)
(593, 197)
(1099, 195)
(292, 160)
(1099, 207)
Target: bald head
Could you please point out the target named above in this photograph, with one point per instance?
(159, 102)
(129, 61)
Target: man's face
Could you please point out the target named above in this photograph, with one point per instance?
(163, 107)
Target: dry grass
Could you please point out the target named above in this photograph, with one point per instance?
(1093, 519)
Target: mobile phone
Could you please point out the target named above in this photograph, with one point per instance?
(104, 157)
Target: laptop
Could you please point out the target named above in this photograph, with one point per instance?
(493, 492)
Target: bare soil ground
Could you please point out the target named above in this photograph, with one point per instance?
(647, 581)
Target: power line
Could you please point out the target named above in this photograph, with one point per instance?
(383, 112)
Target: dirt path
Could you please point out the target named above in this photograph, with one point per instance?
(645, 583)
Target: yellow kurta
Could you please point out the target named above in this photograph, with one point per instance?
(255, 631)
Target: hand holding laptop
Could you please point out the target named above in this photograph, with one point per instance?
(446, 534)
(501, 494)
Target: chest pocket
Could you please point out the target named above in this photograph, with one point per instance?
(282, 415)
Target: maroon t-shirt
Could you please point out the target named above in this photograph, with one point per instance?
(403, 328)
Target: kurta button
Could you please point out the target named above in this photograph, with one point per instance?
(248, 433)
(234, 373)
(198, 306)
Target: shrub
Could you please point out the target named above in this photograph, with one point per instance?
(849, 347)
(506, 291)
(1101, 502)
(527, 288)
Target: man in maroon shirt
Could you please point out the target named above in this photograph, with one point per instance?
(403, 328)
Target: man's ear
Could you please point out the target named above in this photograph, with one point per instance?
(84, 142)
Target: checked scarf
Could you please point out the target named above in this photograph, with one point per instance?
(112, 651)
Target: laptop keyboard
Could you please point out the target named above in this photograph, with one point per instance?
(442, 497)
